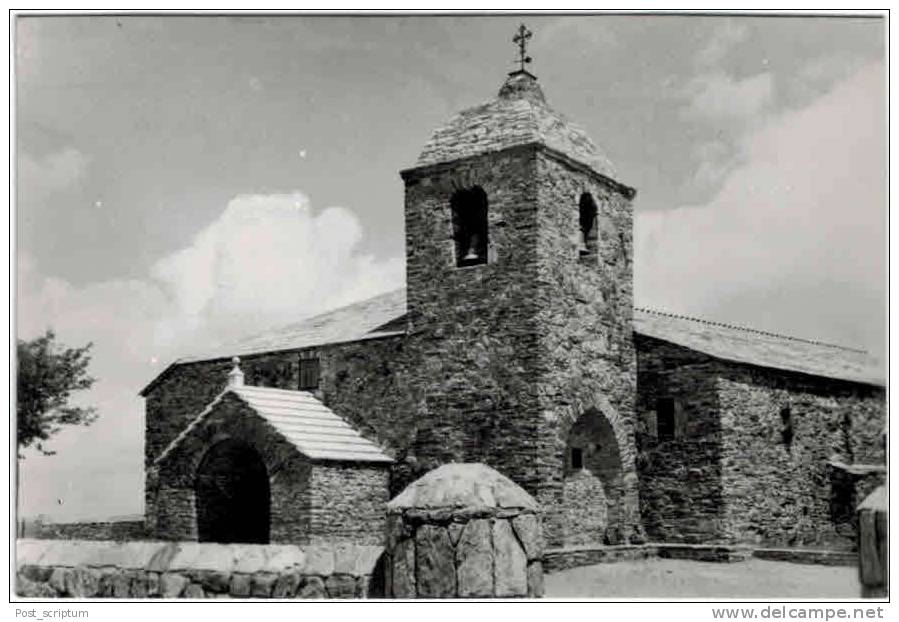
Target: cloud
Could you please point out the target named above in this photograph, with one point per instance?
(723, 39)
(722, 95)
(794, 239)
(41, 176)
(266, 261)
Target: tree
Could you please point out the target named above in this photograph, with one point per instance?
(47, 375)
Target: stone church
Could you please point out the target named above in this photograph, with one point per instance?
(516, 343)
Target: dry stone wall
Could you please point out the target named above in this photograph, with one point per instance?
(98, 530)
(80, 569)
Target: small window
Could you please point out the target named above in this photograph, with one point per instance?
(577, 458)
(470, 226)
(786, 427)
(665, 423)
(309, 374)
(587, 220)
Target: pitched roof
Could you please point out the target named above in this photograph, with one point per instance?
(755, 347)
(361, 320)
(382, 316)
(303, 421)
(519, 115)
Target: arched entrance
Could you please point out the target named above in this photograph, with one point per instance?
(592, 489)
(232, 495)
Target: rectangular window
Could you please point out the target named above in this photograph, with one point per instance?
(665, 423)
(309, 374)
(577, 458)
(786, 429)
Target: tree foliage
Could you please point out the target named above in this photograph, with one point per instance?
(48, 373)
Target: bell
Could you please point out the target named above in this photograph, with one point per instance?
(472, 253)
(582, 249)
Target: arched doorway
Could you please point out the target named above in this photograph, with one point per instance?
(232, 495)
(592, 489)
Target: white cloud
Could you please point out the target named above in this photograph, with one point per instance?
(267, 260)
(794, 240)
(722, 95)
(40, 176)
(724, 38)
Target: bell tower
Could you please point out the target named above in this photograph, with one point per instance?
(519, 292)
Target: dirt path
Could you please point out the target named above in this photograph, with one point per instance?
(676, 579)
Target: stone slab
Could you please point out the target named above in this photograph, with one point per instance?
(510, 566)
(474, 560)
(434, 562)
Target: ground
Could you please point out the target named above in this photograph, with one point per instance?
(665, 578)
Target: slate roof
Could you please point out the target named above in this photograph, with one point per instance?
(755, 347)
(519, 115)
(307, 424)
(355, 322)
(383, 316)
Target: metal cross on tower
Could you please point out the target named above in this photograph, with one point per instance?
(521, 39)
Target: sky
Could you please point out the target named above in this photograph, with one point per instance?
(184, 181)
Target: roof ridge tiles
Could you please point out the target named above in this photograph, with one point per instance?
(749, 329)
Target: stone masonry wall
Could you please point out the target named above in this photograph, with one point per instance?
(184, 391)
(363, 382)
(80, 569)
(680, 479)
(347, 502)
(371, 385)
(780, 495)
(473, 337)
(288, 474)
(98, 530)
(585, 354)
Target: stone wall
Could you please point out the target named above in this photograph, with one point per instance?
(366, 382)
(347, 501)
(509, 354)
(585, 360)
(370, 384)
(680, 478)
(94, 530)
(729, 475)
(309, 501)
(780, 494)
(181, 393)
(473, 336)
(79, 569)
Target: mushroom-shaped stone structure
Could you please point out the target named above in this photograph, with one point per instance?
(464, 531)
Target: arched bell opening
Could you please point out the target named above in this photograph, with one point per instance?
(593, 488)
(469, 207)
(233, 499)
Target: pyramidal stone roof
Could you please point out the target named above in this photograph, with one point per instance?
(519, 115)
(312, 428)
